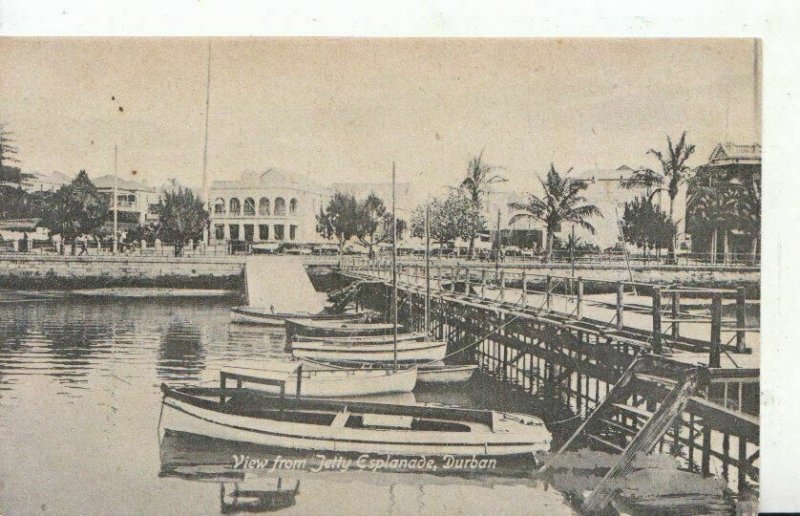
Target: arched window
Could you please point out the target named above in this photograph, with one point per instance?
(280, 207)
(235, 206)
(263, 206)
(292, 206)
(249, 207)
(219, 206)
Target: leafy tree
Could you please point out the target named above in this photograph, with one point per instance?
(181, 215)
(480, 176)
(76, 209)
(455, 217)
(646, 226)
(374, 224)
(339, 219)
(561, 202)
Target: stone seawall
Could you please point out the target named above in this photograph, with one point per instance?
(20, 271)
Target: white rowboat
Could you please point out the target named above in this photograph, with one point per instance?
(407, 351)
(442, 373)
(266, 317)
(323, 382)
(246, 415)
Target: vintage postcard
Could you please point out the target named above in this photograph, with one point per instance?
(380, 276)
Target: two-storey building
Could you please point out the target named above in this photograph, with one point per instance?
(269, 206)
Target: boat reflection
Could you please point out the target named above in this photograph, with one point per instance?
(259, 495)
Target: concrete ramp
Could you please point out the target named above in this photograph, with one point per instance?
(280, 283)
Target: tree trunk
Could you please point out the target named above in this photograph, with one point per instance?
(713, 249)
(548, 246)
(674, 239)
(725, 246)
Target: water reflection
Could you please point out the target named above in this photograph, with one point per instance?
(262, 495)
(181, 352)
(95, 366)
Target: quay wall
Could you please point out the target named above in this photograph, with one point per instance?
(21, 271)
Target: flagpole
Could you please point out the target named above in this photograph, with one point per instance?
(394, 265)
(116, 201)
(206, 203)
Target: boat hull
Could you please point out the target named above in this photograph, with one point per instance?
(181, 416)
(311, 328)
(245, 315)
(446, 374)
(408, 351)
(351, 382)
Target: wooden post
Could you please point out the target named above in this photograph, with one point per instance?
(299, 380)
(502, 286)
(466, 281)
(579, 300)
(524, 288)
(741, 319)
(742, 474)
(620, 305)
(656, 320)
(716, 329)
(676, 312)
(483, 282)
(547, 292)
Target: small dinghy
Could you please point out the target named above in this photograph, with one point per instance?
(311, 328)
(319, 381)
(268, 317)
(407, 351)
(439, 372)
(369, 339)
(247, 415)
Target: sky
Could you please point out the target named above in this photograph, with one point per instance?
(344, 109)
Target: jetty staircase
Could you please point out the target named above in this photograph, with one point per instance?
(345, 295)
(628, 422)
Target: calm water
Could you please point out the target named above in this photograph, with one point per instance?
(79, 407)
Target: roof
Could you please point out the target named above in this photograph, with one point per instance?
(613, 174)
(269, 178)
(725, 153)
(107, 182)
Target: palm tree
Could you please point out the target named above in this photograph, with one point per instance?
(562, 202)
(645, 178)
(675, 170)
(480, 176)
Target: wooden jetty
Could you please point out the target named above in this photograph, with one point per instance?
(641, 367)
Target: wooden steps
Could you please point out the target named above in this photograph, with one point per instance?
(647, 428)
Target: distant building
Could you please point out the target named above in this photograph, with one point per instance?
(135, 200)
(269, 206)
(606, 189)
(724, 209)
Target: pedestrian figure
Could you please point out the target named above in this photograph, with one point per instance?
(24, 248)
(84, 248)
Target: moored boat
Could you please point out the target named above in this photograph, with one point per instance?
(366, 339)
(311, 328)
(319, 381)
(439, 372)
(407, 351)
(247, 415)
(267, 317)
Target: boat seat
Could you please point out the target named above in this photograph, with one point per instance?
(340, 419)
